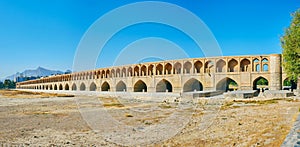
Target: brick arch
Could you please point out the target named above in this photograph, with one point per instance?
(255, 80)
(197, 66)
(221, 66)
(121, 86)
(143, 71)
(168, 68)
(187, 67)
(150, 70)
(140, 86)
(177, 68)
(159, 69)
(118, 72)
(123, 72)
(82, 87)
(233, 65)
(60, 87)
(108, 73)
(245, 65)
(74, 87)
(223, 84)
(163, 86)
(105, 86)
(192, 84)
(67, 87)
(93, 86)
(113, 73)
(129, 72)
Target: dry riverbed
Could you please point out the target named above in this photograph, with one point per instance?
(41, 119)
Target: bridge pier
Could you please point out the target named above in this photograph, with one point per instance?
(275, 72)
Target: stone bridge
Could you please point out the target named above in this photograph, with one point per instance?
(184, 75)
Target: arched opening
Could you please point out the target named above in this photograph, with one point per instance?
(289, 84)
(93, 87)
(159, 69)
(121, 86)
(51, 88)
(245, 63)
(168, 69)
(256, 65)
(208, 67)
(98, 74)
(123, 74)
(177, 68)
(82, 87)
(143, 70)
(105, 87)
(103, 74)
(140, 86)
(60, 87)
(227, 84)
(198, 65)
(74, 87)
(67, 87)
(233, 65)
(192, 85)
(221, 66)
(47, 87)
(265, 67)
(108, 74)
(265, 60)
(129, 72)
(136, 71)
(187, 66)
(164, 86)
(150, 70)
(113, 74)
(55, 87)
(260, 83)
(118, 72)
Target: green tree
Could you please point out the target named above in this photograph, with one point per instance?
(290, 43)
(262, 81)
(8, 84)
(1, 85)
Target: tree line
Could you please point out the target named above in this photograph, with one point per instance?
(7, 84)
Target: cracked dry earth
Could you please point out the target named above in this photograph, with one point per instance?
(57, 121)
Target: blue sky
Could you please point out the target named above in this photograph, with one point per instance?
(46, 33)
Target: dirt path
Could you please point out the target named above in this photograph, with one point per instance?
(57, 121)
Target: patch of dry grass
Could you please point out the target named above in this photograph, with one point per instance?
(28, 94)
(230, 104)
(111, 102)
(45, 113)
(258, 102)
(165, 106)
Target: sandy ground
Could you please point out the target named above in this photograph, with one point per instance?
(39, 119)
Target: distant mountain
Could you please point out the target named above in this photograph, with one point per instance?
(39, 72)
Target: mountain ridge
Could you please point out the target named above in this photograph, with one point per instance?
(38, 72)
